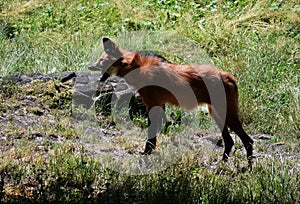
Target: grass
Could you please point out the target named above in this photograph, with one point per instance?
(257, 41)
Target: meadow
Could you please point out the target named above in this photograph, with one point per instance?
(257, 41)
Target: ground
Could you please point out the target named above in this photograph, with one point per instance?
(40, 123)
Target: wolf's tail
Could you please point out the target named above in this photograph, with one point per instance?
(229, 81)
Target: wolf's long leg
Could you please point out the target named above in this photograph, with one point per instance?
(156, 120)
(225, 133)
(236, 126)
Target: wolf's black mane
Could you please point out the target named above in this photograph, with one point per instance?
(151, 54)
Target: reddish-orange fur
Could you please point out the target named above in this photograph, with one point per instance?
(159, 82)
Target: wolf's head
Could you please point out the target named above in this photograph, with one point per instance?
(114, 61)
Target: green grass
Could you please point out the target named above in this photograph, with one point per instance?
(73, 177)
(257, 41)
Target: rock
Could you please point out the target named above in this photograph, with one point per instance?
(89, 92)
(22, 79)
(262, 136)
(63, 76)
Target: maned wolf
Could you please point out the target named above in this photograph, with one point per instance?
(159, 81)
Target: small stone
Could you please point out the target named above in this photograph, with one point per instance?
(265, 137)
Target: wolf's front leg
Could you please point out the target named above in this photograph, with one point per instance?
(156, 118)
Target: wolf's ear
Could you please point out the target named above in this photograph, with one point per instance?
(111, 48)
(132, 59)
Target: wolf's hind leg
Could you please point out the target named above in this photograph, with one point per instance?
(228, 141)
